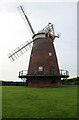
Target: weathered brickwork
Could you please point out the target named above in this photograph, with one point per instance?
(44, 82)
(43, 54)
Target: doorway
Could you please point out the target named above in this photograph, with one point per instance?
(52, 70)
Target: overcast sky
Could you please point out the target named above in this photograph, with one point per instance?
(14, 32)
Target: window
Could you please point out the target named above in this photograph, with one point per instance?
(52, 70)
(50, 54)
(40, 68)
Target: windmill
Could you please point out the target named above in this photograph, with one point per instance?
(43, 70)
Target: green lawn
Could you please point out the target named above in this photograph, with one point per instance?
(22, 102)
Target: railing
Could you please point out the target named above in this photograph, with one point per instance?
(44, 72)
(64, 72)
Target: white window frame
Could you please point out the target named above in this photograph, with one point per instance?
(50, 54)
(40, 68)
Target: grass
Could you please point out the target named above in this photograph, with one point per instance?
(22, 102)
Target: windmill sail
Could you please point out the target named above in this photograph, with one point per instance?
(25, 46)
(20, 50)
(26, 20)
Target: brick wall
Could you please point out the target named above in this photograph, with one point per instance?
(44, 82)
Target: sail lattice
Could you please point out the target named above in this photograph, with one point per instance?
(20, 50)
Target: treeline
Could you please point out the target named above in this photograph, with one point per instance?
(7, 83)
(72, 81)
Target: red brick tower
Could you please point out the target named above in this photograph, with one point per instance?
(43, 65)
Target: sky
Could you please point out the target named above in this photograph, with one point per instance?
(14, 32)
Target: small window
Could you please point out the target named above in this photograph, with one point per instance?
(50, 54)
(40, 68)
(52, 70)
